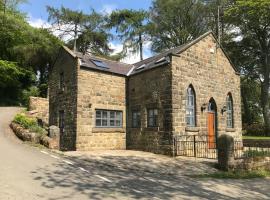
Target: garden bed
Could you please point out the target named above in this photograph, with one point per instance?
(27, 129)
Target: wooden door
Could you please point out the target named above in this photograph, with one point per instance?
(211, 130)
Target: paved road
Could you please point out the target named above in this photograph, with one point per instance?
(32, 173)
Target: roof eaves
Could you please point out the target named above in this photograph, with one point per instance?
(130, 71)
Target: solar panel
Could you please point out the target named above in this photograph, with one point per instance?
(141, 67)
(99, 63)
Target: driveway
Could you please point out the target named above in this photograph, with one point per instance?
(33, 173)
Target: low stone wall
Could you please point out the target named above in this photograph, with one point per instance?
(39, 108)
(26, 135)
(256, 143)
(253, 163)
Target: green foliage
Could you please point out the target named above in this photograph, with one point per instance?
(29, 123)
(131, 27)
(176, 22)
(87, 30)
(251, 20)
(32, 50)
(27, 93)
(12, 81)
(251, 108)
(25, 121)
(255, 129)
(256, 137)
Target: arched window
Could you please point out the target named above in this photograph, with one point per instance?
(229, 111)
(190, 107)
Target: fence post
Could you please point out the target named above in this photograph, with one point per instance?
(194, 144)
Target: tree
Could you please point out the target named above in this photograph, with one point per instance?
(13, 79)
(131, 27)
(250, 90)
(87, 31)
(251, 20)
(176, 22)
(31, 48)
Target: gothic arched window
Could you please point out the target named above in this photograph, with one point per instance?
(191, 107)
(229, 111)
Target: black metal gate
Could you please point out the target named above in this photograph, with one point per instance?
(195, 146)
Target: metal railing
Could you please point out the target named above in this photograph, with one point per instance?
(201, 146)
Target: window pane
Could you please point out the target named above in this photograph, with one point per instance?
(112, 114)
(118, 123)
(190, 107)
(151, 121)
(118, 115)
(104, 122)
(112, 123)
(104, 114)
(98, 114)
(98, 122)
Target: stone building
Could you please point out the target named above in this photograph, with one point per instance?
(100, 104)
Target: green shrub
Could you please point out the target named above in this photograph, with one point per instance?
(24, 121)
(27, 93)
(29, 123)
(256, 129)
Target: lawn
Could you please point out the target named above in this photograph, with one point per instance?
(235, 175)
(256, 137)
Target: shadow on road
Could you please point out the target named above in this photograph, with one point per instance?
(140, 182)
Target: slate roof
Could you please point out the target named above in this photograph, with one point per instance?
(89, 61)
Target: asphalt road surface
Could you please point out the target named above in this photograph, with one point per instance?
(28, 173)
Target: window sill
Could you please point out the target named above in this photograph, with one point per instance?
(230, 129)
(192, 129)
(108, 130)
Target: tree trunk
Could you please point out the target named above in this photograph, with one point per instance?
(265, 106)
(75, 38)
(141, 47)
(247, 118)
(265, 95)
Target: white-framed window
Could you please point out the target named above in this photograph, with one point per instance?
(136, 119)
(191, 107)
(229, 111)
(152, 117)
(108, 118)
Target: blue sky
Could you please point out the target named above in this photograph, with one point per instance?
(37, 8)
(37, 14)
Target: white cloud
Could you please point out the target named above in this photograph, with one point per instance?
(108, 8)
(38, 22)
(131, 57)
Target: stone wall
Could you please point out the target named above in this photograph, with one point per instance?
(253, 163)
(212, 76)
(39, 107)
(150, 89)
(99, 90)
(64, 100)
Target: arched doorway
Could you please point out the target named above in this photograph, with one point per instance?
(212, 123)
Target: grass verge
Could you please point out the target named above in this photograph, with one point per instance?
(256, 137)
(235, 175)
